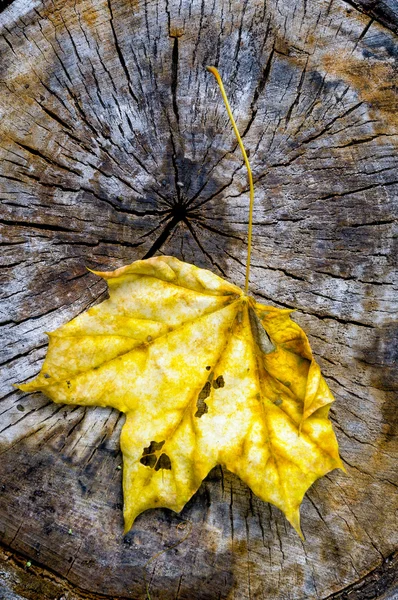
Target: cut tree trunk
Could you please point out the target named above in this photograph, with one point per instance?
(114, 146)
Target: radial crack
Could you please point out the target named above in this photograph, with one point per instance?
(165, 234)
(119, 53)
(174, 78)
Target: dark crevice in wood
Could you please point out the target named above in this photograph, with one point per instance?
(353, 437)
(174, 162)
(315, 314)
(363, 33)
(279, 269)
(55, 117)
(330, 124)
(298, 94)
(199, 221)
(167, 9)
(163, 236)
(372, 224)
(31, 225)
(207, 254)
(217, 192)
(27, 414)
(216, 164)
(99, 242)
(351, 277)
(51, 162)
(22, 354)
(6, 40)
(361, 189)
(259, 90)
(29, 317)
(174, 78)
(156, 227)
(358, 142)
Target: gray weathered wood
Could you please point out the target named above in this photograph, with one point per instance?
(114, 145)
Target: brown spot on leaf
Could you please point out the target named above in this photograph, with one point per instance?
(219, 382)
(201, 405)
(259, 334)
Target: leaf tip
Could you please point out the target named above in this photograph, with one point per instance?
(24, 387)
(301, 535)
(294, 520)
(126, 529)
(129, 518)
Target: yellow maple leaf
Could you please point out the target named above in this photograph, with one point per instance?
(205, 375)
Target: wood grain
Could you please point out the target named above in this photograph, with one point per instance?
(114, 146)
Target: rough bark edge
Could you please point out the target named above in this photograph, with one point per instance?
(381, 583)
(39, 583)
(4, 4)
(378, 11)
(36, 581)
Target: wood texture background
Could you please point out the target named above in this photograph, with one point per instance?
(115, 145)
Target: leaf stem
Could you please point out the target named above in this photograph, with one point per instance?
(216, 74)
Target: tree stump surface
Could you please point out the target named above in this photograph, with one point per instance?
(114, 146)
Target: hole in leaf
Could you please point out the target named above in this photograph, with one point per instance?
(149, 460)
(149, 454)
(163, 463)
(205, 392)
(201, 404)
(208, 368)
(153, 447)
(219, 382)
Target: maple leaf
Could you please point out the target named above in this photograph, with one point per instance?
(205, 376)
